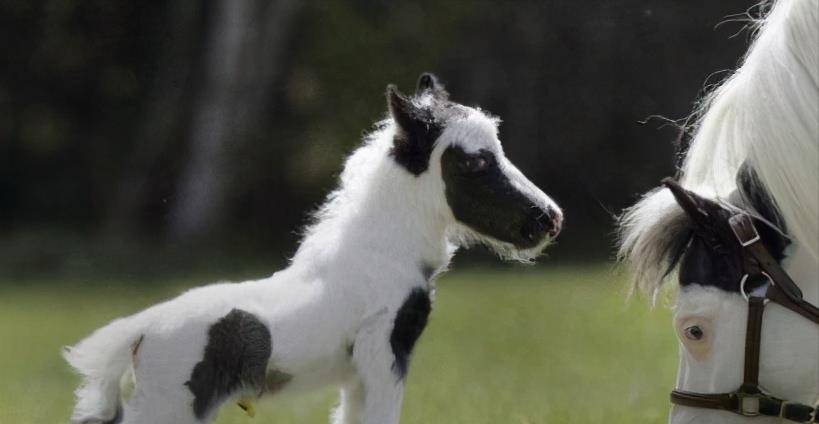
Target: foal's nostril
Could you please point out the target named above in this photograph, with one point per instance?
(555, 222)
(544, 223)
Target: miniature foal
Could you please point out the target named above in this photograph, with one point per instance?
(356, 296)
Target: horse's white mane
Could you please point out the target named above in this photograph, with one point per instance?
(765, 114)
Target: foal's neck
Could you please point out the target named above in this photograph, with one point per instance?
(390, 219)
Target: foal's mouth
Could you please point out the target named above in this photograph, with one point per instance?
(546, 225)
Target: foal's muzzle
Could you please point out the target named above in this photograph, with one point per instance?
(546, 223)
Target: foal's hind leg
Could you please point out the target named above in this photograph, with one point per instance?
(161, 368)
(184, 378)
(161, 407)
(160, 395)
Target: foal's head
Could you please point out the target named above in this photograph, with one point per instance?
(455, 150)
(674, 231)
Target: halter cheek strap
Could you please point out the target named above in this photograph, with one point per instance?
(750, 400)
(788, 293)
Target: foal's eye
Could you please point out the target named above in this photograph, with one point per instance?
(694, 333)
(477, 163)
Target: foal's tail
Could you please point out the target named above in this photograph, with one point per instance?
(101, 359)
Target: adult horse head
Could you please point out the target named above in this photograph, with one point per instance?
(741, 233)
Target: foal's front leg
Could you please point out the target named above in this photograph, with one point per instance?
(383, 387)
(381, 355)
(351, 403)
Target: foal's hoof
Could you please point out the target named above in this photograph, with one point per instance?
(247, 406)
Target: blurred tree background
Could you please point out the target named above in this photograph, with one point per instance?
(144, 138)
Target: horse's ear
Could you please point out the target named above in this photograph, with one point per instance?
(695, 206)
(754, 194)
(429, 83)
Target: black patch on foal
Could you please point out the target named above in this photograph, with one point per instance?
(481, 196)
(410, 322)
(416, 132)
(236, 355)
(428, 271)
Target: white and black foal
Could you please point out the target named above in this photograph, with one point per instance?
(357, 294)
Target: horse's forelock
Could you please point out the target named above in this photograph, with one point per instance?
(652, 237)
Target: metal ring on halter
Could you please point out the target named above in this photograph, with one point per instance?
(745, 278)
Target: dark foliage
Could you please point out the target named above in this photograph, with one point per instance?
(100, 103)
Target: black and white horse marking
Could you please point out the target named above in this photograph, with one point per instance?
(410, 321)
(418, 127)
(706, 249)
(235, 358)
(482, 196)
(754, 153)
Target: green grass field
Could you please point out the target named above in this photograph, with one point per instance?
(529, 345)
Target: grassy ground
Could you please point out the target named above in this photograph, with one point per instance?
(524, 346)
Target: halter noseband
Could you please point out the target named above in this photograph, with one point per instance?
(750, 400)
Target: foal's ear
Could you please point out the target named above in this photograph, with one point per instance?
(426, 81)
(429, 83)
(416, 132)
(403, 111)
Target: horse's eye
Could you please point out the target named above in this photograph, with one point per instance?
(694, 333)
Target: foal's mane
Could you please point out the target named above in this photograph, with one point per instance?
(765, 115)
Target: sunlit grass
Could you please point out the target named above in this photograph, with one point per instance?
(524, 346)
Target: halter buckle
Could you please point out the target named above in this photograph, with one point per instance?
(748, 404)
(743, 227)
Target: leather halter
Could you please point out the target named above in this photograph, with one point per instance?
(750, 400)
